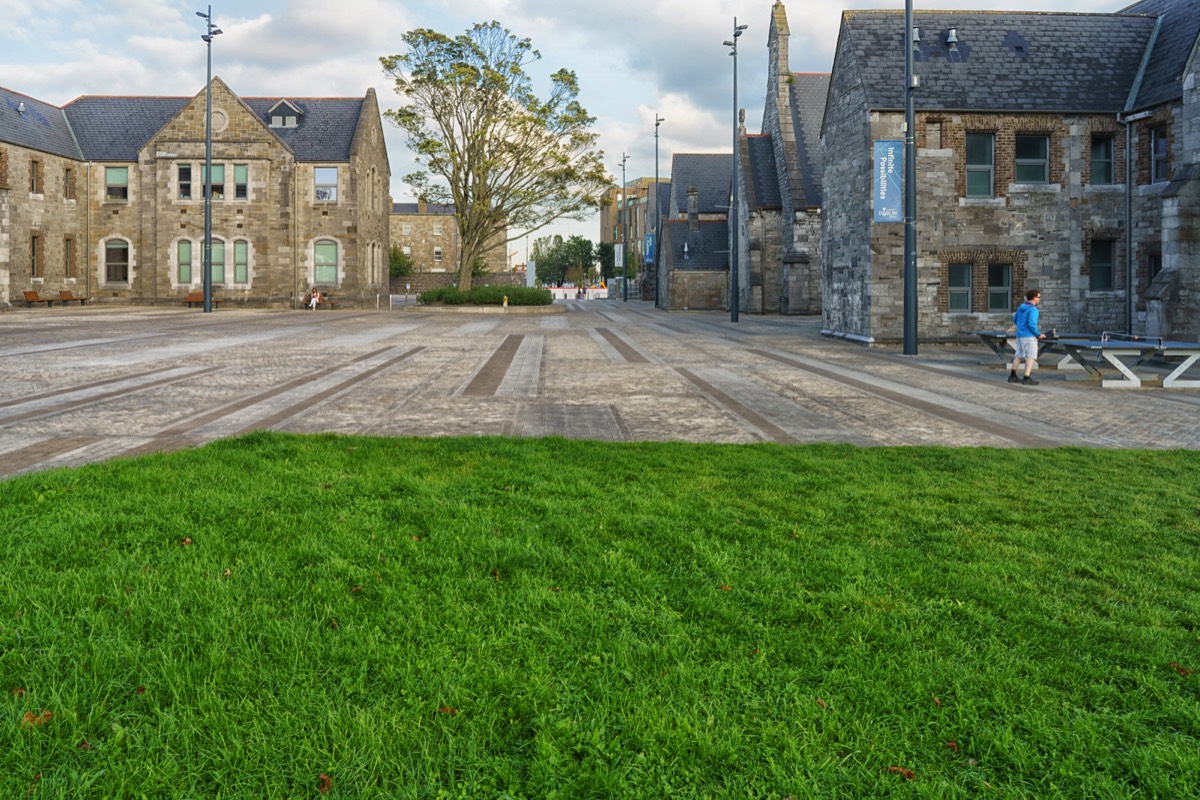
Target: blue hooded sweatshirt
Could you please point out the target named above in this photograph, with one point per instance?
(1026, 318)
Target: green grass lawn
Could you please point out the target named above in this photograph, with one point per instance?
(287, 617)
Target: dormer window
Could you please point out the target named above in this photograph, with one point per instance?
(284, 114)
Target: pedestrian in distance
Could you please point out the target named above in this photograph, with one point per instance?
(1026, 320)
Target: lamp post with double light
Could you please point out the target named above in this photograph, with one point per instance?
(657, 211)
(213, 30)
(624, 234)
(734, 300)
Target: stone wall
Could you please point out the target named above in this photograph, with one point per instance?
(420, 282)
(697, 290)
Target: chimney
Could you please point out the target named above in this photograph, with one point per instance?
(693, 209)
(421, 205)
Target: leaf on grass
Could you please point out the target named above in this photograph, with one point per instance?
(496, 574)
(451, 710)
(953, 745)
(356, 590)
(20, 691)
(416, 538)
(31, 720)
(821, 703)
(333, 623)
(556, 588)
(937, 701)
(326, 485)
(324, 783)
(907, 773)
(84, 745)
(725, 588)
(140, 690)
(187, 542)
(1184, 671)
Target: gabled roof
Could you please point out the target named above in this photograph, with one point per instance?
(1173, 46)
(759, 173)
(710, 174)
(30, 123)
(707, 246)
(809, 91)
(1003, 61)
(116, 128)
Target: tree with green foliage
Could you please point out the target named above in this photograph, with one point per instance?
(606, 254)
(400, 263)
(510, 160)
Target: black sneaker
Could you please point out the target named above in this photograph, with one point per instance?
(1012, 378)
(1029, 381)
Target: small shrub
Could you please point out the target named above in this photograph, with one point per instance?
(453, 296)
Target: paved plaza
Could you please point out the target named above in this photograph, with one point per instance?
(80, 385)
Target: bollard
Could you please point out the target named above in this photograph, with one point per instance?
(506, 301)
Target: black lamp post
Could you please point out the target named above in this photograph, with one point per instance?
(624, 234)
(657, 211)
(213, 30)
(910, 191)
(734, 300)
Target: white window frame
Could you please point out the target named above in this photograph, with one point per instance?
(323, 190)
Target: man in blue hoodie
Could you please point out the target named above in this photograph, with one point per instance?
(1026, 318)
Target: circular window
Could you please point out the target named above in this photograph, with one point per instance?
(220, 120)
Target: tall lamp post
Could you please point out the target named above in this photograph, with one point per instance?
(910, 192)
(624, 234)
(734, 300)
(657, 211)
(213, 30)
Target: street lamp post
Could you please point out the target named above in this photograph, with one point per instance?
(624, 234)
(213, 30)
(910, 192)
(734, 299)
(657, 211)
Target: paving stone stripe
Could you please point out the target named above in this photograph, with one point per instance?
(489, 377)
(623, 348)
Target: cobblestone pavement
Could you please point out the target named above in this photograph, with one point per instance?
(79, 385)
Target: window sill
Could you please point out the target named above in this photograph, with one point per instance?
(1105, 188)
(1034, 188)
(981, 202)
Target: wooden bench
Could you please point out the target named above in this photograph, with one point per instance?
(325, 300)
(197, 298)
(34, 297)
(66, 296)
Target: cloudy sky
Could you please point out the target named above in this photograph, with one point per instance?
(634, 58)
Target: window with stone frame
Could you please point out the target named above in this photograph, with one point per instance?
(325, 180)
(1103, 147)
(959, 288)
(1101, 265)
(36, 268)
(437, 255)
(217, 262)
(325, 263)
(1159, 162)
(116, 183)
(981, 164)
(999, 288)
(1032, 158)
(3, 168)
(241, 181)
(241, 261)
(68, 183)
(69, 266)
(184, 181)
(116, 261)
(217, 180)
(183, 259)
(36, 178)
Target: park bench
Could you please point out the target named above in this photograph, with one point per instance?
(326, 300)
(67, 296)
(32, 297)
(197, 298)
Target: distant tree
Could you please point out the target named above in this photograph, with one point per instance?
(550, 256)
(400, 264)
(606, 254)
(580, 255)
(511, 161)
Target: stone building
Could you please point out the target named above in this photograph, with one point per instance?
(779, 191)
(1056, 151)
(428, 233)
(695, 234)
(105, 197)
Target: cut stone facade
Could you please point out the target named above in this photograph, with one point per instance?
(428, 233)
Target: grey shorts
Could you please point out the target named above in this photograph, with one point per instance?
(1027, 347)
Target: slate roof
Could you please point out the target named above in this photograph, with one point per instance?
(116, 128)
(1004, 61)
(40, 126)
(809, 92)
(413, 209)
(709, 173)
(1172, 49)
(708, 246)
(759, 173)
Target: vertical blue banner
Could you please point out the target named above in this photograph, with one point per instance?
(889, 194)
(648, 248)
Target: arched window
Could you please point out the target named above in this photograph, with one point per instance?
(116, 261)
(325, 263)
